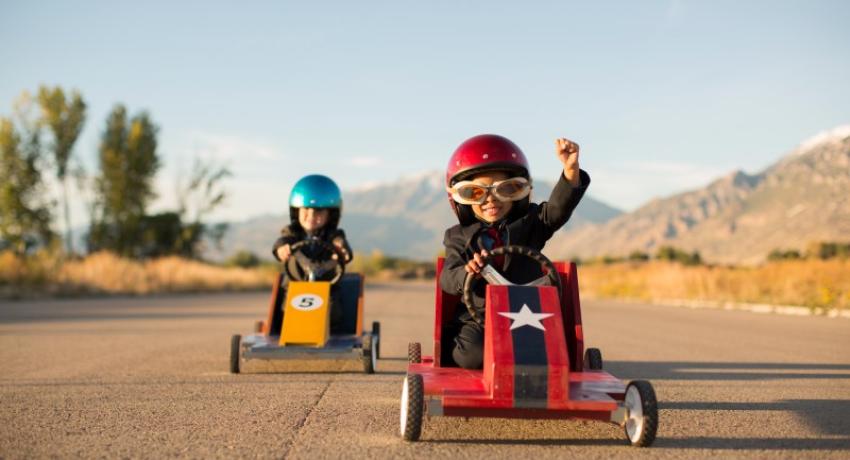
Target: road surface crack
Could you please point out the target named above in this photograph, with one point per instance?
(303, 421)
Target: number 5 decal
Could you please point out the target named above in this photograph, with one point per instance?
(306, 302)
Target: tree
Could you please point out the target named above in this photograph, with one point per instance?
(825, 250)
(161, 234)
(24, 213)
(181, 232)
(196, 198)
(64, 117)
(217, 232)
(124, 185)
(668, 253)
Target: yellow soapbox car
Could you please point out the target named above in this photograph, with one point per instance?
(316, 312)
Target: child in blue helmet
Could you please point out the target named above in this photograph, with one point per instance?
(315, 205)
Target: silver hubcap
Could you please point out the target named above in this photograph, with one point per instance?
(634, 417)
(404, 397)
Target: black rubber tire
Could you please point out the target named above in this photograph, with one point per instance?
(413, 409)
(593, 359)
(414, 353)
(376, 331)
(649, 405)
(235, 343)
(367, 354)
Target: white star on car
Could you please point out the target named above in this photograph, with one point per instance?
(526, 317)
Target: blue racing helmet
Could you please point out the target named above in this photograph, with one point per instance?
(316, 191)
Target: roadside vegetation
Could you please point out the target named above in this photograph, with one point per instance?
(41, 274)
(125, 249)
(378, 266)
(107, 273)
(818, 277)
(128, 250)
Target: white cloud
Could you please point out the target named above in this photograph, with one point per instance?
(256, 165)
(363, 162)
(245, 197)
(228, 147)
(629, 185)
(837, 134)
(682, 171)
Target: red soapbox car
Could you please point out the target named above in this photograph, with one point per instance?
(535, 363)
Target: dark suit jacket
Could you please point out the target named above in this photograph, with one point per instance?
(531, 229)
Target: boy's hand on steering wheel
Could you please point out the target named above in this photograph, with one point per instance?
(284, 252)
(477, 263)
(340, 245)
(567, 151)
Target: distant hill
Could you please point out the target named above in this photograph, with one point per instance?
(406, 217)
(738, 218)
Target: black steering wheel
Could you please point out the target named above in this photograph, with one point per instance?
(492, 276)
(300, 267)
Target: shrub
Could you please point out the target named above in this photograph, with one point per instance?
(244, 259)
(671, 254)
(825, 250)
(813, 283)
(779, 254)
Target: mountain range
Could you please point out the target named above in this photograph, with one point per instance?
(406, 217)
(802, 198)
(738, 218)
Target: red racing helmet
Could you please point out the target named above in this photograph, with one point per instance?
(484, 153)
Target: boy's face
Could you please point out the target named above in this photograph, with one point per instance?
(492, 209)
(312, 219)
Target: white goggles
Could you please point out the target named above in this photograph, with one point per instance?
(469, 192)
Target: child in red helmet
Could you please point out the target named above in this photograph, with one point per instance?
(489, 185)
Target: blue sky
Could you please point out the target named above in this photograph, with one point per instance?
(663, 96)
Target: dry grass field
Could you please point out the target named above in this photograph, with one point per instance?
(106, 273)
(810, 283)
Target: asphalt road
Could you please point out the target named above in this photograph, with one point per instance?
(147, 377)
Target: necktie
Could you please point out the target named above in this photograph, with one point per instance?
(494, 234)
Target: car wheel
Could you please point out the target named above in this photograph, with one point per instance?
(369, 354)
(641, 413)
(412, 407)
(376, 331)
(235, 343)
(593, 359)
(414, 353)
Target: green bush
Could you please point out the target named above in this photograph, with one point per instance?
(608, 260)
(638, 256)
(825, 250)
(779, 254)
(396, 267)
(244, 259)
(671, 254)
